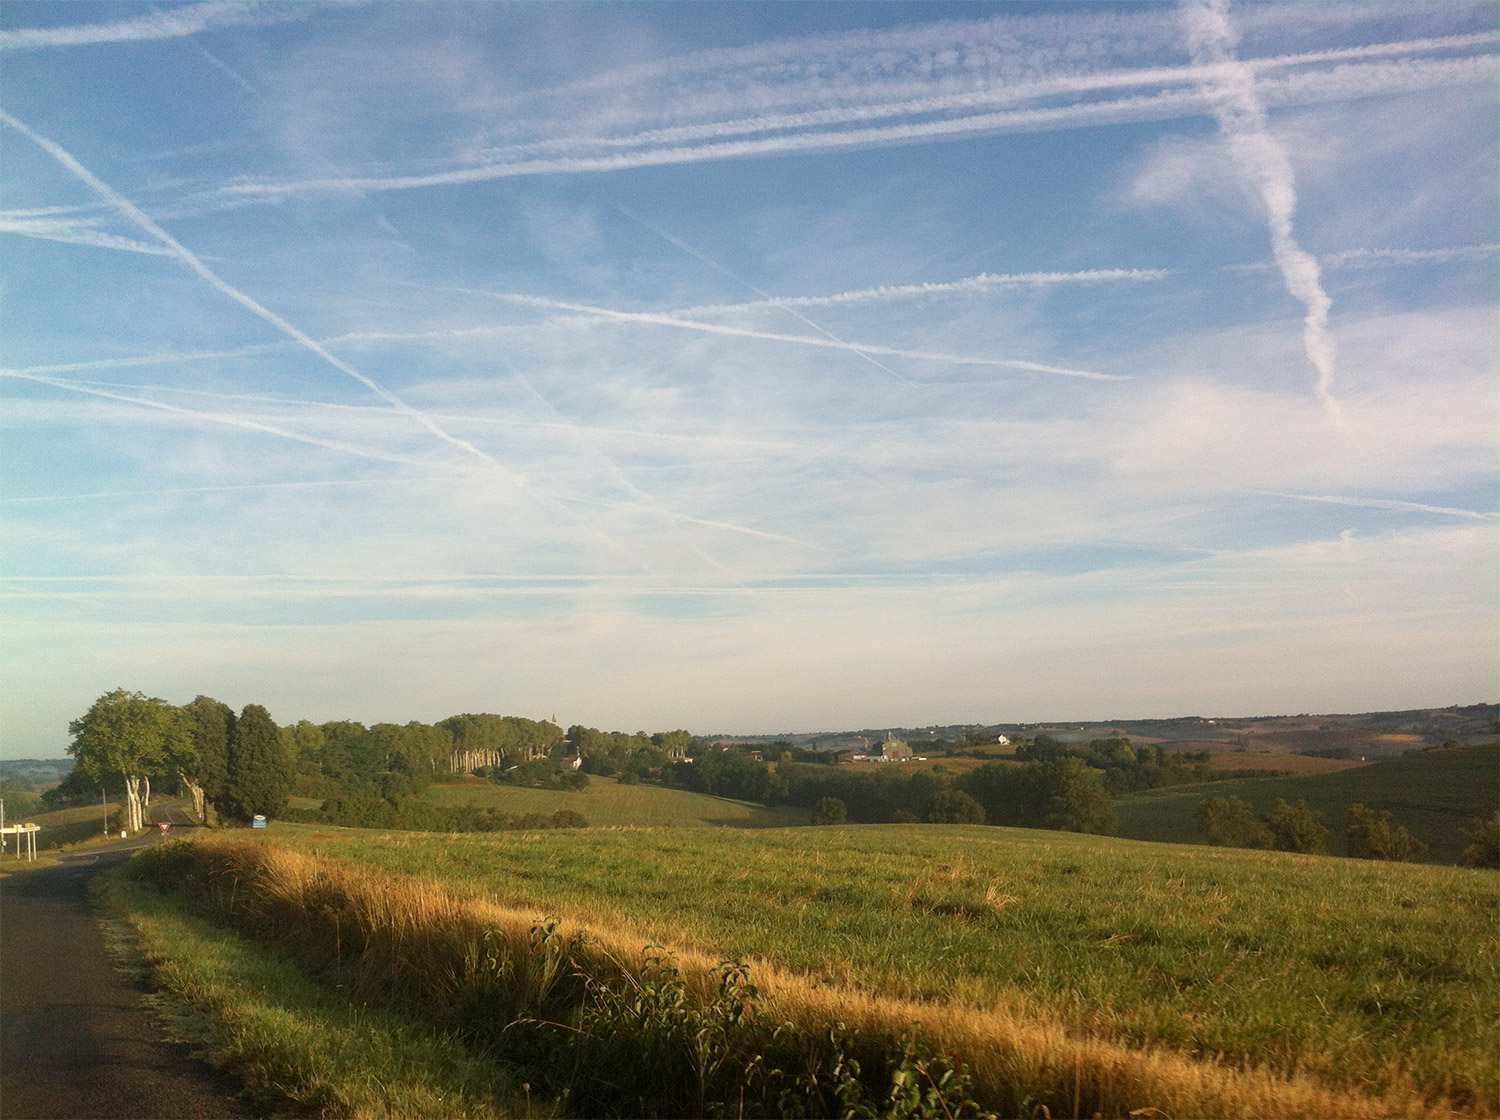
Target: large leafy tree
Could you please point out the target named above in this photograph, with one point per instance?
(131, 735)
(203, 765)
(260, 770)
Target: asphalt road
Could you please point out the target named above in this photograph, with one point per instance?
(76, 1039)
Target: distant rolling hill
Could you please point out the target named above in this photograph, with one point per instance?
(1436, 793)
(41, 772)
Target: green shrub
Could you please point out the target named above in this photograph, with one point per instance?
(830, 810)
(1374, 835)
(954, 806)
(1296, 828)
(1484, 847)
(1228, 822)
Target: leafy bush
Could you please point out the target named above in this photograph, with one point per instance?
(1374, 835)
(1484, 847)
(830, 810)
(1228, 822)
(954, 806)
(1296, 828)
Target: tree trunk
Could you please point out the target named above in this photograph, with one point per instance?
(132, 802)
(196, 792)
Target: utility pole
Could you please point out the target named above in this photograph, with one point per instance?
(104, 808)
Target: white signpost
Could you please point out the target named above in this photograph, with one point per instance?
(25, 835)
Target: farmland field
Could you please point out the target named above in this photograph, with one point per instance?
(608, 803)
(1360, 975)
(1283, 763)
(1436, 793)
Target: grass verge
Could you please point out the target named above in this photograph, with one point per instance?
(301, 1048)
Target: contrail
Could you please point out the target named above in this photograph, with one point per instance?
(983, 282)
(584, 312)
(659, 510)
(301, 484)
(220, 418)
(228, 70)
(176, 24)
(1379, 258)
(1383, 503)
(717, 267)
(835, 343)
(1242, 122)
(1339, 83)
(645, 502)
(154, 359)
(987, 94)
(183, 255)
(73, 233)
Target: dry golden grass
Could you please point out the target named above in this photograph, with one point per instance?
(412, 942)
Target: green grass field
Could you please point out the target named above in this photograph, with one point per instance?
(1436, 793)
(609, 804)
(1357, 973)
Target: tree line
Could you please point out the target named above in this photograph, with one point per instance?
(239, 764)
(244, 764)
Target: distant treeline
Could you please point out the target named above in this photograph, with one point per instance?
(244, 764)
(1051, 784)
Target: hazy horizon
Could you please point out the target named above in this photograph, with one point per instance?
(748, 365)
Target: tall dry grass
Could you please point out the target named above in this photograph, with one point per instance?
(470, 965)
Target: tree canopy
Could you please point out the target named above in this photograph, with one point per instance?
(260, 771)
(132, 735)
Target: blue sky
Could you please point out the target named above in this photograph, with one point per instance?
(748, 367)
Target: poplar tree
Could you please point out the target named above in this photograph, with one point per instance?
(203, 768)
(260, 772)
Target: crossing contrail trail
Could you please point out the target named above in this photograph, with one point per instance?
(187, 258)
(767, 296)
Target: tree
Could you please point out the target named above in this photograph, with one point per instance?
(1295, 828)
(830, 810)
(673, 744)
(303, 742)
(1484, 846)
(1076, 798)
(129, 734)
(203, 765)
(1374, 835)
(260, 773)
(1228, 822)
(954, 806)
